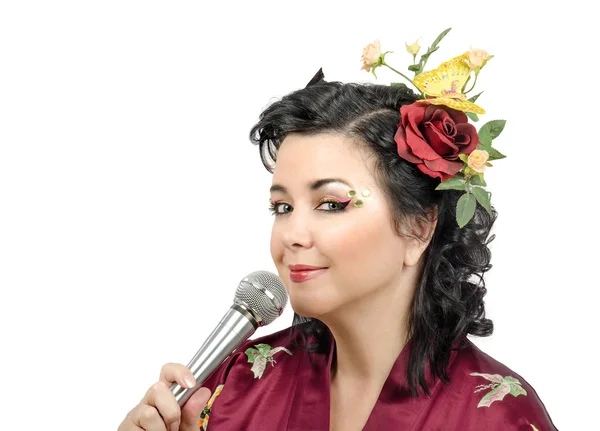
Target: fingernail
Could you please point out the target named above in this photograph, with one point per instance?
(190, 381)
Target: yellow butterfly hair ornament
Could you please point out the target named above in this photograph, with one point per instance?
(445, 85)
(434, 132)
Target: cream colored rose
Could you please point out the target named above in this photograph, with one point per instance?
(414, 48)
(478, 160)
(371, 54)
(476, 58)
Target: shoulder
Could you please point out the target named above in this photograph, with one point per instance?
(250, 368)
(494, 392)
(262, 379)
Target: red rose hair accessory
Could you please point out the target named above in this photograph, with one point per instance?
(434, 132)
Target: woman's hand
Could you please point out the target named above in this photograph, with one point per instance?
(159, 411)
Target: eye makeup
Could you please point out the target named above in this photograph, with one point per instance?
(341, 203)
(334, 205)
(334, 199)
(357, 201)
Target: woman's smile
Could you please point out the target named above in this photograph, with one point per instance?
(300, 273)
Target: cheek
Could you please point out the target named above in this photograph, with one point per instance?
(366, 248)
(276, 246)
(348, 244)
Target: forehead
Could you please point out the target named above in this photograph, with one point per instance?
(304, 158)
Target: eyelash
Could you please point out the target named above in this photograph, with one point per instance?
(275, 205)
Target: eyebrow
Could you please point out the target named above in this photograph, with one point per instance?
(315, 185)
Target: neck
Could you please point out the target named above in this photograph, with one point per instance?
(370, 335)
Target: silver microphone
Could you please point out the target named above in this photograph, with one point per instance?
(259, 299)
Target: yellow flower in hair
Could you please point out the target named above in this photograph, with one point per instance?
(371, 54)
(445, 85)
(476, 58)
(414, 48)
(478, 160)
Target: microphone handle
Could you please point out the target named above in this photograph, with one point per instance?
(235, 327)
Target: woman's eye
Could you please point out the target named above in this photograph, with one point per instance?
(333, 206)
(279, 208)
(330, 206)
(284, 208)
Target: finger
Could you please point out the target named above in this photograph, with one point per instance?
(128, 425)
(160, 397)
(148, 419)
(190, 414)
(177, 373)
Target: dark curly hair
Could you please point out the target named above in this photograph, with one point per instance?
(448, 302)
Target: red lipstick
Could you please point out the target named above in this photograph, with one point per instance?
(300, 273)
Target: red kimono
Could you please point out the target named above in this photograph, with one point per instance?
(270, 385)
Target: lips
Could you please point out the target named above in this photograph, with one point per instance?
(304, 267)
(300, 273)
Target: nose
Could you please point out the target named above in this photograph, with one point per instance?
(296, 232)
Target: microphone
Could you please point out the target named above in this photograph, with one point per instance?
(259, 299)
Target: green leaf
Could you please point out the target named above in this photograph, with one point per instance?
(493, 128)
(425, 56)
(464, 158)
(431, 50)
(263, 348)
(453, 183)
(494, 154)
(496, 127)
(440, 37)
(477, 180)
(484, 137)
(252, 354)
(465, 209)
(483, 198)
(413, 67)
(474, 98)
(473, 116)
(516, 390)
(462, 90)
(398, 84)
(496, 394)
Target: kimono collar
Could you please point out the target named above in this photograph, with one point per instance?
(397, 382)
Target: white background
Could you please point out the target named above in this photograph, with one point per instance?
(132, 203)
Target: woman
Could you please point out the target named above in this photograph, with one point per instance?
(385, 284)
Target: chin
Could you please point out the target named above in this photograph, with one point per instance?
(312, 298)
(309, 305)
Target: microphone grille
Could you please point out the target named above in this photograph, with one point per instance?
(264, 294)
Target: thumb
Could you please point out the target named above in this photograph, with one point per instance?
(190, 413)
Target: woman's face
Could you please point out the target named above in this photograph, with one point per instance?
(329, 252)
